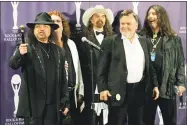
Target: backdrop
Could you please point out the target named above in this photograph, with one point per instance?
(14, 14)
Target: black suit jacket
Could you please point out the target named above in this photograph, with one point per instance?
(112, 69)
(86, 65)
(85, 60)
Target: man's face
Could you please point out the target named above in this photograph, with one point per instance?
(42, 32)
(128, 26)
(57, 20)
(98, 20)
(152, 19)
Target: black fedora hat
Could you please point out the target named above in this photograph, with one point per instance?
(43, 18)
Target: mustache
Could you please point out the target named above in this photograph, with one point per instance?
(41, 32)
(127, 34)
(99, 21)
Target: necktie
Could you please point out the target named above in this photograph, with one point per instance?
(97, 33)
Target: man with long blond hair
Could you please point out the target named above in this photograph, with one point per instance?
(72, 65)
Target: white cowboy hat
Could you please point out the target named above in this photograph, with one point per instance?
(97, 9)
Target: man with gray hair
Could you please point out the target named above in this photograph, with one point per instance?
(125, 72)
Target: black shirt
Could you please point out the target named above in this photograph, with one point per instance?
(157, 64)
(50, 69)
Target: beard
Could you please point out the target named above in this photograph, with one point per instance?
(42, 35)
(153, 25)
(128, 35)
(99, 24)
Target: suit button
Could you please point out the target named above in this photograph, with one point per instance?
(44, 93)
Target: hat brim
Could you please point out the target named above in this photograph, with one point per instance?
(52, 25)
(88, 13)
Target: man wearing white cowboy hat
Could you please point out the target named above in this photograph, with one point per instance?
(98, 22)
(44, 89)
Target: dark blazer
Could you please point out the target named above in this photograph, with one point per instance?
(112, 69)
(33, 87)
(85, 61)
(172, 65)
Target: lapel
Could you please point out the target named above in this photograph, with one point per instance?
(145, 50)
(56, 55)
(74, 55)
(120, 47)
(166, 44)
(39, 62)
(93, 38)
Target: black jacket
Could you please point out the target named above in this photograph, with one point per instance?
(86, 65)
(33, 88)
(112, 69)
(173, 72)
(85, 60)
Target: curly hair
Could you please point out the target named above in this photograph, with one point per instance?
(65, 24)
(163, 21)
(107, 27)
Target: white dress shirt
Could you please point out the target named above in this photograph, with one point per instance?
(135, 59)
(99, 37)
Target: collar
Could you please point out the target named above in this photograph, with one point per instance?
(135, 36)
(98, 31)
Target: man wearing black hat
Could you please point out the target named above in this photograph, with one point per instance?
(44, 90)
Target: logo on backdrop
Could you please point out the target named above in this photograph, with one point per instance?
(182, 29)
(135, 7)
(16, 83)
(78, 13)
(14, 35)
(15, 14)
(14, 121)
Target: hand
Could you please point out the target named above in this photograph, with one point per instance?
(79, 100)
(58, 35)
(23, 48)
(104, 95)
(155, 93)
(65, 112)
(181, 90)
